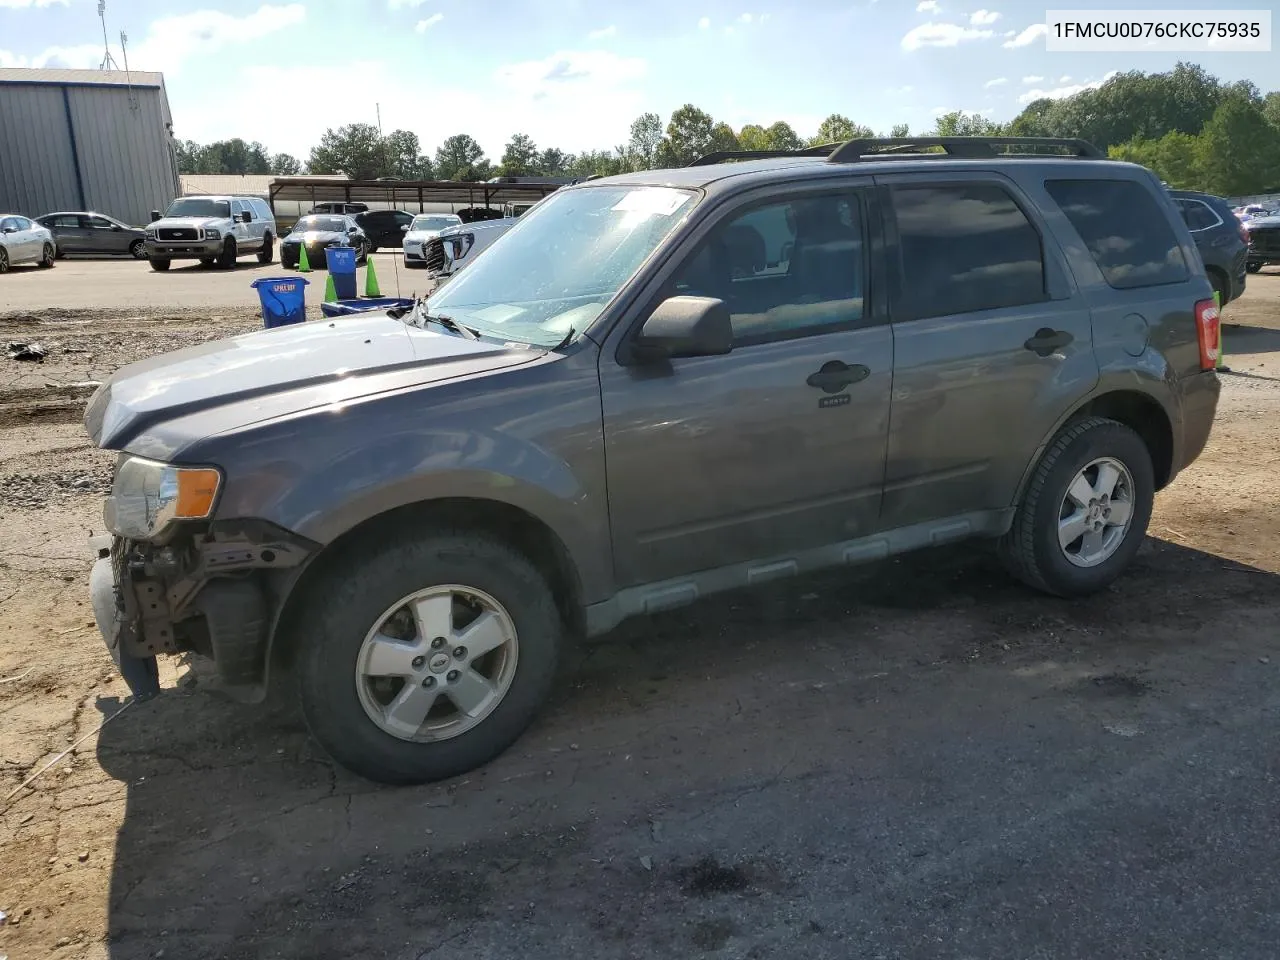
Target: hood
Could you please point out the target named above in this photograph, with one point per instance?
(480, 226)
(1263, 220)
(275, 372)
(422, 236)
(168, 222)
(315, 236)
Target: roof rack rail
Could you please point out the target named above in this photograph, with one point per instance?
(969, 148)
(723, 156)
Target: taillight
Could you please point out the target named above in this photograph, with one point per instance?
(1208, 333)
(1244, 233)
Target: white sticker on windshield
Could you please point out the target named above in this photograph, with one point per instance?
(653, 201)
(498, 313)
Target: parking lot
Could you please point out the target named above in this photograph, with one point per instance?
(919, 758)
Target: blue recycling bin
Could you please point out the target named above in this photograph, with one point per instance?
(341, 262)
(284, 300)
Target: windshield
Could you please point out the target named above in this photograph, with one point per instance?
(199, 207)
(328, 224)
(560, 264)
(433, 223)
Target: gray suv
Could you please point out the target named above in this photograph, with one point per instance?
(213, 230)
(655, 387)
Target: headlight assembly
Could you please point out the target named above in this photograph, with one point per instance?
(147, 496)
(212, 234)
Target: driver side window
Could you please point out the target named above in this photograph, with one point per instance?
(785, 270)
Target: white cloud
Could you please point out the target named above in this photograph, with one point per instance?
(1033, 79)
(603, 33)
(404, 4)
(997, 82)
(745, 18)
(21, 4)
(80, 57)
(983, 18)
(704, 23)
(172, 42)
(1058, 93)
(595, 68)
(941, 35)
(1028, 36)
(928, 6)
(896, 90)
(422, 26)
(1066, 79)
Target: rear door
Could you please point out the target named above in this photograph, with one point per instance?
(992, 343)
(69, 232)
(776, 448)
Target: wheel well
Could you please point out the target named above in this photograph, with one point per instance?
(501, 521)
(1214, 271)
(1146, 418)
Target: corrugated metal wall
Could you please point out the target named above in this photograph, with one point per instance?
(117, 134)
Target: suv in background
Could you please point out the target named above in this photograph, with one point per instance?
(1220, 237)
(658, 386)
(384, 228)
(211, 229)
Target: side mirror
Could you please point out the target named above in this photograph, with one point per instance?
(353, 230)
(404, 228)
(9, 230)
(686, 327)
(246, 216)
(116, 227)
(155, 215)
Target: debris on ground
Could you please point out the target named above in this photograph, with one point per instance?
(17, 350)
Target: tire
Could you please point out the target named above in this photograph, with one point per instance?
(159, 263)
(1253, 267)
(227, 258)
(267, 253)
(1031, 549)
(138, 250)
(351, 600)
(48, 257)
(362, 255)
(4, 260)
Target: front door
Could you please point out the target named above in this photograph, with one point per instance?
(779, 445)
(103, 236)
(992, 344)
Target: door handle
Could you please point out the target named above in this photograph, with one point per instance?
(836, 376)
(1046, 341)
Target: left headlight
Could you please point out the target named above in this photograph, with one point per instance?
(147, 496)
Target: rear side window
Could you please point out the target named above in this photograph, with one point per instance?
(965, 247)
(1198, 214)
(1125, 230)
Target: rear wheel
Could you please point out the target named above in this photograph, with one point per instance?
(267, 252)
(159, 263)
(422, 658)
(138, 250)
(1085, 511)
(227, 258)
(48, 256)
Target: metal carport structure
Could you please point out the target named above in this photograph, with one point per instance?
(473, 194)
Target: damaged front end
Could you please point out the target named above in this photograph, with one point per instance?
(169, 581)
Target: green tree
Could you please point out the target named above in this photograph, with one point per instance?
(460, 158)
(900, 130)
(691, 133)
(646, 137)
(1239, 150)
(783, 137)
(285, 165)
(520, 158)
(753, 137)
(1175, 158)
(1271, 108)
(961, 124)
(403, 157)
(602, 163)
(356, 149)
(553, 162)
(838, 128)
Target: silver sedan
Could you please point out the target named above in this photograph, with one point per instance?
(91, 232)
(24, 241)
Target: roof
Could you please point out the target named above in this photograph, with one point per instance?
(320, 189)
(104, 78)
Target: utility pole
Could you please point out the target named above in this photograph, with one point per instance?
(378, 107)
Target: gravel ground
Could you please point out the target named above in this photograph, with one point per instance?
(918, 759)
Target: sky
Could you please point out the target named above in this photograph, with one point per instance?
(574, 74)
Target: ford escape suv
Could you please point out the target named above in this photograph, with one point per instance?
(654, 387)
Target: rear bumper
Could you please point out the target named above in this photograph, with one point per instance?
(1200, 394)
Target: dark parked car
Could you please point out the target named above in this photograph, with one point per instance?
(1220, 237)
(319, 232)
(1264, 240)
(384, 228)
(658, 386)
(90, 232)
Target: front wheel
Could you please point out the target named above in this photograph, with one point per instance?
(159, 263)
(227, 258)
(362, 255)
(1085, 511)
(138, 250)
(48, 256)
(425, 657)
(267, 252)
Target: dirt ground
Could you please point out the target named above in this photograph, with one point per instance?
(913, 759)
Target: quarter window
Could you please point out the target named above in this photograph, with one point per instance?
(1125, 229)
(965, 247)
(784, 269)
(1197, 214)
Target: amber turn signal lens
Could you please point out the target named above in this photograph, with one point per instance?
(197, 489)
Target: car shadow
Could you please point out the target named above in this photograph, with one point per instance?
(1249, 340)
(240, 838)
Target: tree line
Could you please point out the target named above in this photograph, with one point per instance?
(1196, 132)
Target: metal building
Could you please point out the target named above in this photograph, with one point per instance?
(86, 140)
